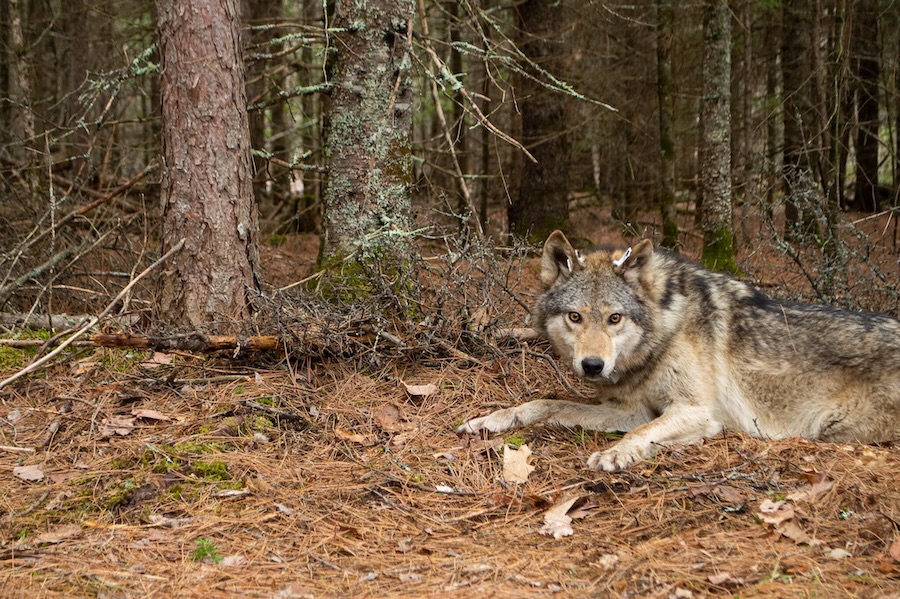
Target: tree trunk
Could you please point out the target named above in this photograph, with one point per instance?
(542, 203)
(665, 21)
(206, 187)
(799, 120)
(867, 67)
(367, 196)
(715, 143)
(23, 78)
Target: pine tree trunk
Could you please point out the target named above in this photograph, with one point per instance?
(367, 196)
(799, 119)
(665, 21)
(206, 185)
(866, 53)
(542, 203)
(715, 143)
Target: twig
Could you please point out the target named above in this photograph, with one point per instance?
(10, 448)
(94, 320)
(8, 290)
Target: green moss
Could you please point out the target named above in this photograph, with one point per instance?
(211, 471)
(515, 440)
(194, 447)
(718, 252)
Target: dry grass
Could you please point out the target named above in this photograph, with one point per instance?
(326, 478)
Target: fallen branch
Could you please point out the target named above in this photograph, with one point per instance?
(94, 320)
(194, 342)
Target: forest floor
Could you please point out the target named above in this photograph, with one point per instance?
(137, 474)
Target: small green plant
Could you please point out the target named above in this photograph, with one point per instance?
(515, 440)
(206, 551)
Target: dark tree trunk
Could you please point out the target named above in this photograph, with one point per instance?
(542, 203)
(367, 196)
(799, 119)
(665, 22)
(206, 185)
(715, 143)
(866, 63)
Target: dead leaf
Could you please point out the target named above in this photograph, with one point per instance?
(344, 435)
(894, 550)
(149, 414)
(793, 531)
(58, 535)
(728, 494)
(811, 492)
(837, 554)
(391, 419)
(775, 512)
(556, 521)
(477, 445)
(233, 560)
(724, 578)
(515, 464)
(29, 473)
(156, 360)
(116, 425)
(421, 390)
(403, 438)
(61, 477)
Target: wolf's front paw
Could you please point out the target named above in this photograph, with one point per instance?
(615, 459)
(495, 422)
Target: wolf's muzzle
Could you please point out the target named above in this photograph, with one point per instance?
(592, 367)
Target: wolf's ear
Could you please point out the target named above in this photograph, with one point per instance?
(559, 261)
(634, 257)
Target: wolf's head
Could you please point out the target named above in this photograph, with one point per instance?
(591, 308)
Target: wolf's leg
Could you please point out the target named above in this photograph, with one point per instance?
(678, 424)
(600, 417)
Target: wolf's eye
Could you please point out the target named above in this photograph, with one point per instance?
(615, 318)
(574, 316)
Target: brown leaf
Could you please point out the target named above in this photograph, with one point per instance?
(724, 578)
(728, 494)
(29, 473)
(421, 390)
(894, 550)
(556, 521)
(116, 425)
(793, 531)
(391, 419)
(150, 414)
(811, 492)
(515, 464)
(775, 512)
(344, 435)
(58, 535)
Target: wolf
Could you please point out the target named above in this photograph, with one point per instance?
(678, 353)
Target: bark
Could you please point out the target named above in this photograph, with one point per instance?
(542, 203)
(367, 196)
(665, 18)
(799, 119)
(715, 143)
(206, 187)
(23, 78)
(867, 67)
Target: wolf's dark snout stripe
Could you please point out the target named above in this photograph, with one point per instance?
(592, 366)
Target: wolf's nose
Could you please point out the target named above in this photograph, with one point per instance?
(592, 366)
